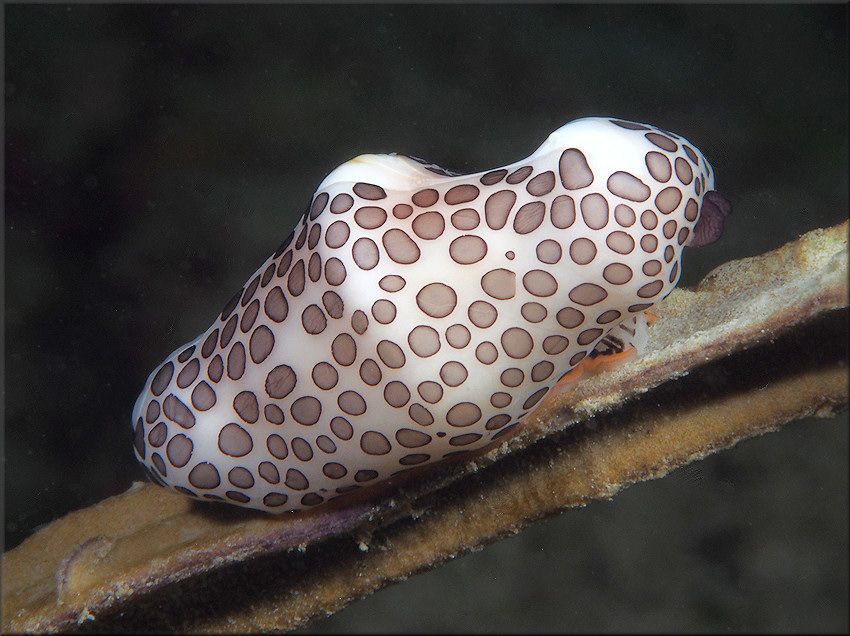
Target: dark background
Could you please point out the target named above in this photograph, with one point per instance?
(156, 155)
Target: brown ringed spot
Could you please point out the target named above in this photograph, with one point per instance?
(390, 354)
(563, 212)
(529, 217)
(275, 305)
(541, 371)
(234, 440)
(497, 207)
(204, 476)
(152, 411)
(365, 253)
(624, 215)
(486, 352)
(620, 242)
(540, 283)
(209, 344)
(512, 377)
(236, 361)
(240, 477)
(273, 414)
(306, 410)
(391, 283)
(425, 198)
(283, 265)
(370, 372)
(570, 317)
(396, 394)
(573, 169)
(553, 345)
(650, 289)
(436, 300)
(468, 249)
(296, 480)
(179, 450)
(463, 193)
(542, 184)
(325, 376)
(659, 166)
(301, 449)
(534, 398)
(296, 280)
(402, 211)
(684, 172)
(429, 225)
(277, 446)
(269, 472)
(250, 316)
(465, 439)
(351, 402)
(275, 499)
(158, 435)
(370, 217)
(189, 373)
(430, 391)
(216, 368)
(178, 412)
(594, 211)
(342, 428)
(374, 443)
(369, 191)
(665, 143)
(582, 251)
(648, 243)
(359, 322)
(334, 470)
(465, 219)
(519, 175)
(341, 203)
(280, 381)
(497, 421)
(617, 273)
(268, 275)
(326, 444)
(453, 373)
(410, 438)
(400, 247)
(458, 336)
(156, 458)
(548, 251)
(463, 414)
(587, 294)
(651, 268)
(499, 283)
(365, 475)
(534, 312)
(482, 314)
(588, 336)
(608, 316)
(383, 311)
(344, 349)
(261, 344)
(420, 414)
(246, 406)
(627, 186)
(500, 399)
(162, 378)
(228, 331)
(424, 341)
(334, 272)
(668, 200)
(492, 178)
(337, 234)
(669, 229)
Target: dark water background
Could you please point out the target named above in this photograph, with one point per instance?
(156, 155)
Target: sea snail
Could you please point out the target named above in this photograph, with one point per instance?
(415, 313)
